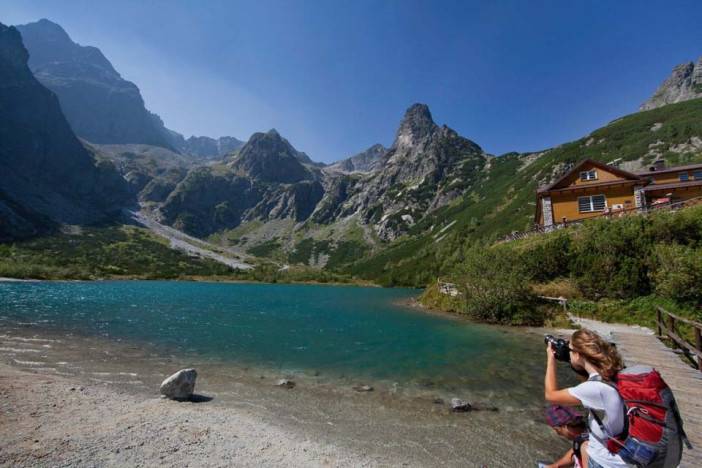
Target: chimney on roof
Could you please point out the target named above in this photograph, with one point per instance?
(658, 165)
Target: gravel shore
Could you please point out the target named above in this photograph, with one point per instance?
(48, 420)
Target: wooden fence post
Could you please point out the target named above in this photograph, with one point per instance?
(671, 328)
(659, 320)
(698, 342)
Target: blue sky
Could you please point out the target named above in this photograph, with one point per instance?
(335, 77)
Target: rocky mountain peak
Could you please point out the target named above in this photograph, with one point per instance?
(416, 124)
(52, 31)
(684, 83)
(50, 45)
(100, 105)
(271, 158)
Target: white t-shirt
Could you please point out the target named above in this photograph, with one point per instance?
(602, 398)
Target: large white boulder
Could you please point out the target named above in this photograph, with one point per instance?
(179, 386)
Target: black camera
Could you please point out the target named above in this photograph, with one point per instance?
(559, 346)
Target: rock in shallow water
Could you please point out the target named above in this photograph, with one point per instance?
(460, 406)
(179, 386)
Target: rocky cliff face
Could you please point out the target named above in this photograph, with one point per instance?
(100, 105)
(365, 161)
(46, 175)
(684, 83)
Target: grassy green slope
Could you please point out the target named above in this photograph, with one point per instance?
(503, 200)
(104, 252)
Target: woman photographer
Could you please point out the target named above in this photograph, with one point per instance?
(601, 360)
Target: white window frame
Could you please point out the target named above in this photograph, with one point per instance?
(592, 203)
(588, 175)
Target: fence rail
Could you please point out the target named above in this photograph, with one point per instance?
(669, 327)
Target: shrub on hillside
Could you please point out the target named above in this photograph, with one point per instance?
(611, 258)
(682, 227)
(548, 257)
(678, 273)
(496, 288)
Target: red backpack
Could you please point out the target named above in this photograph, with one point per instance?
(654, 433)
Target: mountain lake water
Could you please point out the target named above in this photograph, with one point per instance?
(242, 338)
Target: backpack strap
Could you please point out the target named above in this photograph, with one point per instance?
(615, 438)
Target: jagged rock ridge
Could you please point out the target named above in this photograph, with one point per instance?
(204, 147)
(684, 83)
(427, 167)
(46, 175)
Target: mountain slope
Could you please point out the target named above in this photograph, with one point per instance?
(502, 200)
(46, 175)
(152, 172)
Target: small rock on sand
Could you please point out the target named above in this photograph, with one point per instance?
(460, 406)
(363, 388)
(179, 386)
(285, 383)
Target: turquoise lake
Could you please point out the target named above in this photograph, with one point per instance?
(337, 332)
(243, 338)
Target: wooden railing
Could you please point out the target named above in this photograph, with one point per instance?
(669, 327)
(562, 301)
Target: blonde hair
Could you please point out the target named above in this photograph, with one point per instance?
(598, 352)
